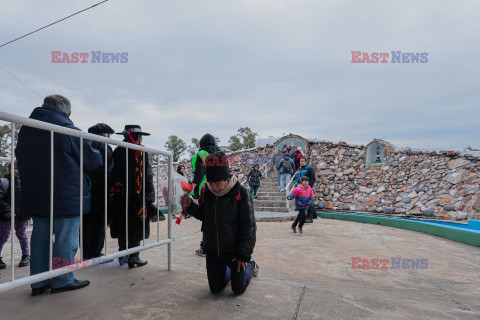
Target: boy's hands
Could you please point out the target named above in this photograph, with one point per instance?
(186, 201)
(240, 264)
(289, 198)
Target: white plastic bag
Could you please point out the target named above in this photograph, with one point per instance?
(177, 191)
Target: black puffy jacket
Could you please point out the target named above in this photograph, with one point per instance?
(6, 200)
(254, 177)
(229, 228)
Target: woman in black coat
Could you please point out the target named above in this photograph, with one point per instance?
(253, 179)
(137, 215)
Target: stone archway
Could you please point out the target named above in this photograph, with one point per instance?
(378, 151)
(292, 139)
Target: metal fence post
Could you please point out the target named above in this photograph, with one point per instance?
(51, 199)
(12, 205)
(144, 210)
(81, 199)
(170, 209)
(126, 199)
(106, 194)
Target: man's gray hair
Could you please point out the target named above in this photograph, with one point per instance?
(58, 103)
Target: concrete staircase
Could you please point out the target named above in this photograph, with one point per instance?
(270, 198)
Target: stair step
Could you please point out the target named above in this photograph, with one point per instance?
(284, 209)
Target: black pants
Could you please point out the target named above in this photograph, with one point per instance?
(131, 244)
(93, 235)
(300, 220)
(220, 272)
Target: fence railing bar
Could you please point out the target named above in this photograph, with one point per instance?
(84, 264)
(8, 117)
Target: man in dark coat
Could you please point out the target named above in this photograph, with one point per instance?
(137, 214)
(33, 159)
(229, 230)
(94, 221)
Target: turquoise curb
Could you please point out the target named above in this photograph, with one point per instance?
(468, 234)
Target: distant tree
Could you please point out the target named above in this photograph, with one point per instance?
(5, 144)
(235, 143)
(248, 137)
(193, 148)
(175, 145)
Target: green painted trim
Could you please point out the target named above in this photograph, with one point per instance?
(452, 233)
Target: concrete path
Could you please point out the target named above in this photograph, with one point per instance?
(306, 276)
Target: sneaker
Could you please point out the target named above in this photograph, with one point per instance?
(300, 230)
(2, 264)
(293, 229)
(309, 221)
(200, 252)
(25, 261)
(256, 269)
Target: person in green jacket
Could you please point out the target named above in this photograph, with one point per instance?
(208, 145)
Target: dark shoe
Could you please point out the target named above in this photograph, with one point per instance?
(25, 261)
(256, 269)
(122, 260)
(309, 221)
(39, 291)
(294, 229)
(300, 230)
(76, 284)
(135, 260)
(200, 252)
(161, 217)
(2, 264)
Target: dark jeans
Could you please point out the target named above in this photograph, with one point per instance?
(220, 272)
(300, 220)
(254, 191)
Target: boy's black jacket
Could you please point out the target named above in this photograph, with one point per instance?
(229, 229)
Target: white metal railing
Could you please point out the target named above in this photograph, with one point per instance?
(288, 190)
(51, 273)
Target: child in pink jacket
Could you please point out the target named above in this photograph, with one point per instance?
(303, 194)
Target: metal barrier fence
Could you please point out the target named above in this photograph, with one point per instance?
(51, 273)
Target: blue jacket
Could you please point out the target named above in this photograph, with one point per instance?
(305, 171)
(33, 161)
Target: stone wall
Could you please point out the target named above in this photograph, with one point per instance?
(413, 183)
(408, 183)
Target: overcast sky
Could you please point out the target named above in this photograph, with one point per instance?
(275, 66)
